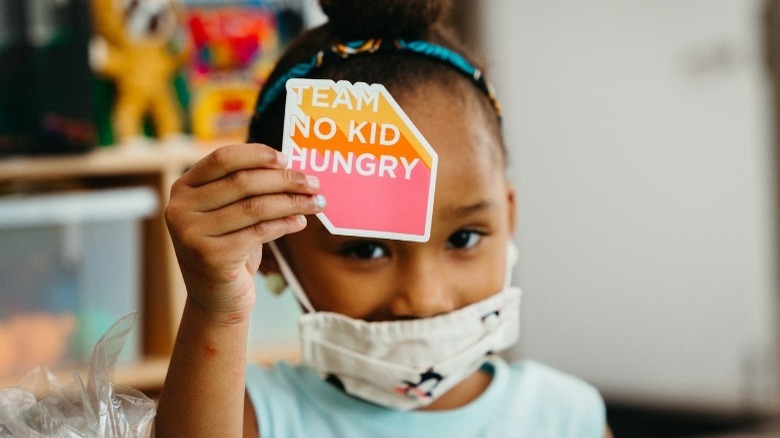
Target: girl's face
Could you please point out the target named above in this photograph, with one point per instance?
(473, 220)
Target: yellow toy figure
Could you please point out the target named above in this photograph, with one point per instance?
(132, 48)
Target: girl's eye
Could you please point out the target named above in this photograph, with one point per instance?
(364, 251)
(464, 239)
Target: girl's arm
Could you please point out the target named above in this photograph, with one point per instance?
(203, 393)
(220, 214)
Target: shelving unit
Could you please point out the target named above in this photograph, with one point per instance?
(163, 291)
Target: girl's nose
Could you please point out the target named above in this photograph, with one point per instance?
(422, 290)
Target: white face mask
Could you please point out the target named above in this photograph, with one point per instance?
(406, 364)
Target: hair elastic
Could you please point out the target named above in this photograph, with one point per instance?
(342, 51)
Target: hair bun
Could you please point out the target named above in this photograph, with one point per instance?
(383, 18)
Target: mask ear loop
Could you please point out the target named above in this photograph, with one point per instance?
(292, 281)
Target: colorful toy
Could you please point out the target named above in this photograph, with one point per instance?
(31, 339)
(234, 48)
(133, 48)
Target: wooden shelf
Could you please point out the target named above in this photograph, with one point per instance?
(163, 291)
(149, 373)
(103, 161)
(146, 374)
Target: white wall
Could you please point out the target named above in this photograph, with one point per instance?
(642, 149)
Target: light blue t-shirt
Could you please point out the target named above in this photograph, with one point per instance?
(525, 399)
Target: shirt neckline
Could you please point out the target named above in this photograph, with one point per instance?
(482, 403)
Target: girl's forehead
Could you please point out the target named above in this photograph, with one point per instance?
(456, 131)
(454, 121)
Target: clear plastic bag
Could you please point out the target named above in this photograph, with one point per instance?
(39, 406)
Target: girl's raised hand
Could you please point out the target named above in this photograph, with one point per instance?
(220, 214)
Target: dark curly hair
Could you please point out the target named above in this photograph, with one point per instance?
(399, 72)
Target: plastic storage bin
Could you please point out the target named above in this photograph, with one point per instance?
(69, 268)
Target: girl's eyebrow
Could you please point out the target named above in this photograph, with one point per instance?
(451, 212)
(466, 210)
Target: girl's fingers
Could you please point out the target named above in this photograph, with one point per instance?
(236, 199)
(257, 210)
(247, 183)
(229, 159)
(251, 237)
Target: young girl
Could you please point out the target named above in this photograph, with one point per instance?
(397, 337)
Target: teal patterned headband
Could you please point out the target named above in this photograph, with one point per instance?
(363, 47)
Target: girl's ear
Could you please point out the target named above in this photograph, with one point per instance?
(511, 207)
(269, 267)
(268, 264)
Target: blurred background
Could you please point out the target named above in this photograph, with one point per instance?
(643, 142)
(644, 139)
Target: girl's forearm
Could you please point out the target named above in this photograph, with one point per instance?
(203, 394)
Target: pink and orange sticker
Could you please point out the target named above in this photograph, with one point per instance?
(376, 170)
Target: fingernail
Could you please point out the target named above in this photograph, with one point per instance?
(281, 159)
(301, 219)
(319, 201)
(313, 181)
